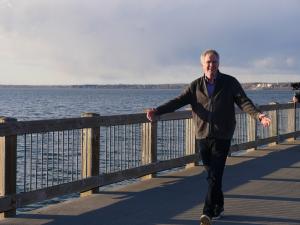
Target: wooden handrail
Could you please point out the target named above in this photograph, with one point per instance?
(41, 126)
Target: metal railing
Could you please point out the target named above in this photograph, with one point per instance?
(49, 158)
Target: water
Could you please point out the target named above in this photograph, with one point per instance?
(51, 102)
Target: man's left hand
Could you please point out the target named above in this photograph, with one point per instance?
(264, 120)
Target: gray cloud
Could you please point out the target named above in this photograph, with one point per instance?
(154, 41)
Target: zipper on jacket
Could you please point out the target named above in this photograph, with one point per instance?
(210, 118)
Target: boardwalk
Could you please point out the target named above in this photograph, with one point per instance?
(261, 187)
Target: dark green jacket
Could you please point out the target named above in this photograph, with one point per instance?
(213, 116)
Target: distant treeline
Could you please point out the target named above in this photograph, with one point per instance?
(247, 86)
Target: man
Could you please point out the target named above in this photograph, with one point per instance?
(212, 98)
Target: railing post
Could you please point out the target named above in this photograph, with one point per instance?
(8, 166)
(190, 141)
(274, 124)
(90, 144)
(251, 130)
(149, 145)
(292, 122)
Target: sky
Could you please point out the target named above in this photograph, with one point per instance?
(70, 42)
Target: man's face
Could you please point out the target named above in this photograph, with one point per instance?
(210, 65)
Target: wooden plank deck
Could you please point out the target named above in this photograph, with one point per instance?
(260, 187)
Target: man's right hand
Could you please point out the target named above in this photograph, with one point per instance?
(295, 99)
(151, 114)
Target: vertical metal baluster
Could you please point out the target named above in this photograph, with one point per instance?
(86, 154)
(47, 161)
(130, 146)
(117, 148)
(164, 141)
(239, 130)
(53, 148)
(111, 153)
(81, 152)
(110, 150)
(113, 149)
(137, 137)
(123, 150)
(78, 151)
(63, 156)
(167, 139)
(120, 146)
(245, 127)
(125, 155)
(30, 179)
(173, 149)
(176, 138)
(140, 143)
(242, 127)
(68, 155)
(131, 140)
(134, 144)
(36, 161)
(169, 148)
(42, 163)
(170, 139)
(58, 156)
(135, 147)
(119, 135)
(73, 152)
(106, 149)
(183, 136)
(25, 160)
(180, 134)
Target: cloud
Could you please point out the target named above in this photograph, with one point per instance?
(134, 41)
(281, 64)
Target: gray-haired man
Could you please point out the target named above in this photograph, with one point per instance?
(212, 98)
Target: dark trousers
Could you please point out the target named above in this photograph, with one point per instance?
(214, 153)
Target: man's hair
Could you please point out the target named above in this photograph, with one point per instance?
(208, 52)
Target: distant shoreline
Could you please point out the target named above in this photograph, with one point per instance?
(246, 86)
